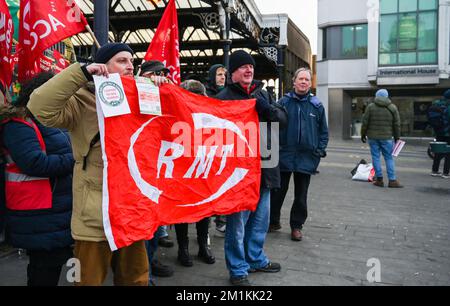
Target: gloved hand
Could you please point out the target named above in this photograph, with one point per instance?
(364, 139)
(321, 153)
(262, 105)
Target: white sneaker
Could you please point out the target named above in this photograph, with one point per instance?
(436, 173)
(220, 231)
(445, 176)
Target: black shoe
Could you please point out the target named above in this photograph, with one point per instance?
(273, 227)
(165, 242)
(239, 281)
(206, 255)
(161, 270)
(184, 257)
(271, 267)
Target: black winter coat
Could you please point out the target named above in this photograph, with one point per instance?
(268, 111)
(43, 229)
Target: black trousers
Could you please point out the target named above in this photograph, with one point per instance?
(299, 209)
(44, 268)
(202, 232)
(439, 156)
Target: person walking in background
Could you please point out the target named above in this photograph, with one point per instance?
(381, 123)
(302, 144)
(439, 119)
(38, 187)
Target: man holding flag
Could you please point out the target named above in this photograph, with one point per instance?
(68, 101)
(246, 230)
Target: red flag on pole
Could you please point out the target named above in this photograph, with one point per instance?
(165, 46)
(6, 34)
(200, 158)
(43, 24)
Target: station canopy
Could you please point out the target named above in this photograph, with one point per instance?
(277, 44)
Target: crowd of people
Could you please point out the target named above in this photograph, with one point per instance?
(53, 181)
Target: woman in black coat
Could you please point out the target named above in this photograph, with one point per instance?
(42, 229)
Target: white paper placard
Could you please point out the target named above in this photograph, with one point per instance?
(397, 148)
(149, 97)
(110, 94)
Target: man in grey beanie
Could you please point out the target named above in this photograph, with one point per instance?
(381, 123)
(68, 101)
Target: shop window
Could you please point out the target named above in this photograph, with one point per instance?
(345, 42)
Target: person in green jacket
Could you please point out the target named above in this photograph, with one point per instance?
(381, 123)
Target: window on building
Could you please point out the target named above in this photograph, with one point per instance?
(408, 32)
(345, 42)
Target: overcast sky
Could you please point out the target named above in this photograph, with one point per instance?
(302, 12)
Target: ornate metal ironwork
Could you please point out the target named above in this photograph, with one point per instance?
(210, 21)
(271, 53)
(270, 36)
(245, 17)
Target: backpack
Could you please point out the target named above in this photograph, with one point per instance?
(438, 117)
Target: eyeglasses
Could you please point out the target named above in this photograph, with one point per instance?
(158, 73)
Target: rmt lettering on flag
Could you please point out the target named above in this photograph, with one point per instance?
(200, 158)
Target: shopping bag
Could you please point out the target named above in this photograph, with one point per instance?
(362, 161)
(364, 172)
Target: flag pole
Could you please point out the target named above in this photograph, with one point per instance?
(88, 28)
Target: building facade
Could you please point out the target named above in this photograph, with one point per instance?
(364, 45)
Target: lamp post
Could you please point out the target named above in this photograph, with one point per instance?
(101, 20)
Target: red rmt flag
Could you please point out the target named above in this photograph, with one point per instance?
(6, 34)
(200, 158)
(165, 46)
(43, 24)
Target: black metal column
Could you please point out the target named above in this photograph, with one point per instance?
(101, 20)
(280, 68)
(227, 41)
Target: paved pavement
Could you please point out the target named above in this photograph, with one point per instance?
(405, 230)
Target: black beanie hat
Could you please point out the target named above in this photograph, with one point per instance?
(106, 52)
(240, 58)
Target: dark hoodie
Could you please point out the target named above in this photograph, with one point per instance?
(381, 120)
(211, 86)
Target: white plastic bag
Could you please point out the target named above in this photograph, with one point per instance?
(365, 172)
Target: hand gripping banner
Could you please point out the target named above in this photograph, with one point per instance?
(200, 158)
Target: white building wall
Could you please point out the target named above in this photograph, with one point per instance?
(333, 75)
(444, 39)
(342, 11)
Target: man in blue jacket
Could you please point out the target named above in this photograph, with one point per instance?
(302, 144)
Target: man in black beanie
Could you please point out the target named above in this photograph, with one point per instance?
(246, 230)
(68, 101)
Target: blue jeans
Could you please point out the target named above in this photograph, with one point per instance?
(385, 147)
(152, 246)
(162, 230)
(245, 235)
